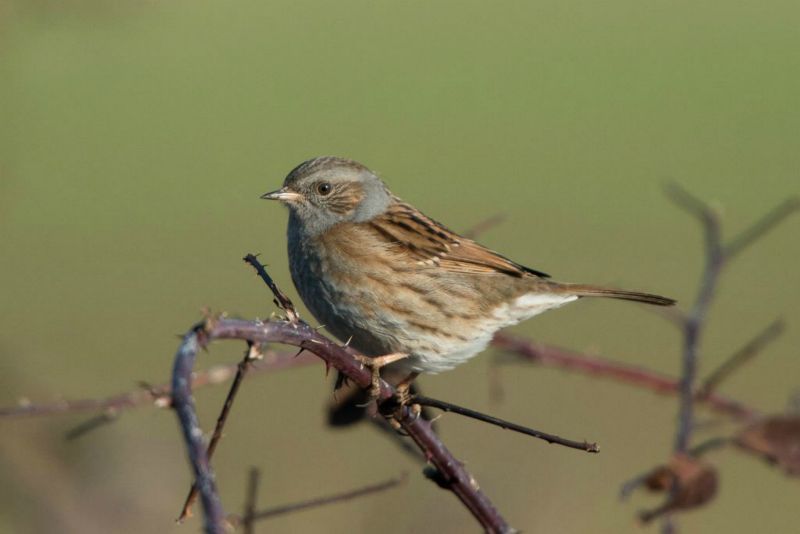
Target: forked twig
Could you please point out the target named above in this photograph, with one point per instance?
(695, 319)
(740, 357)
(241, 370)
(717, 257)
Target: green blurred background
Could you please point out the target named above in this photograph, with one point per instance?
(136, 137)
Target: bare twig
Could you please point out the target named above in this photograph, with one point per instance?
(248, 518)
(91, 424)
(551, 356)
(709, 445)
(549, 438)
(629, 486)
(740, 357)
(281, 300)
(761, 227)
(322, 501)
(672, 314)
(158, 396)
(482, 226)
(241, 370)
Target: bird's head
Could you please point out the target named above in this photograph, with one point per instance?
(328, 190)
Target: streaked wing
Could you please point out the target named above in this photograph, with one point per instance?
(429, 242)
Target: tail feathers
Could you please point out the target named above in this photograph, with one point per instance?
(636, 296)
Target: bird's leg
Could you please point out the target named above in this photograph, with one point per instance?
(403, 388)
(375, 364)
(402, 397)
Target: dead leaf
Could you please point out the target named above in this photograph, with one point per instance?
(688, 482)
(776, 439)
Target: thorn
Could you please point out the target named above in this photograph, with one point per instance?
(347, 343)
(318, 328)
(254, 352)
(299, 352)
(327, 368)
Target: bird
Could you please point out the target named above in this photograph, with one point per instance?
(402, 289)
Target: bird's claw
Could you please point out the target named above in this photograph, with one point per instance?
(374, 364)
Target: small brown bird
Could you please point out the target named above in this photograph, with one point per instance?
(393, 282)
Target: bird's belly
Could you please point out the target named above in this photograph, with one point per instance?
(380, 311)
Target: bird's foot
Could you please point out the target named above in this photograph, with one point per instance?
(402, 397)
(374, 364)
(403, 389)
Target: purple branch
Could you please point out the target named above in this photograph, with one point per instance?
(183, 405)
(300, 334)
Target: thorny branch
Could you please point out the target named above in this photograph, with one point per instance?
(717, 255)
(250, 355)
(159, 396)
(300, 334)
(522, 348)
(280, 300)
(183, 404)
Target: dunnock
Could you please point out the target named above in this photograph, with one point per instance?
(390, 280)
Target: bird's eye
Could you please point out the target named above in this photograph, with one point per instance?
(324, 188)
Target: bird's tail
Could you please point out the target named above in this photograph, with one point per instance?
(582, 290)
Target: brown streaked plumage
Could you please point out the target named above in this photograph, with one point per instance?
(378, 272)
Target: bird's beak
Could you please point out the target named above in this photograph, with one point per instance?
(283, 195)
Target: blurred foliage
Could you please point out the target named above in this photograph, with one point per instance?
(135, 138)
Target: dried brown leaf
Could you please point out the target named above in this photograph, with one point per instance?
(688, 482)
(776, 439)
